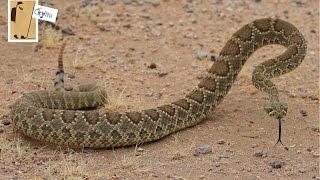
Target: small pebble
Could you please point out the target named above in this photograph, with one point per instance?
(145, 15)
(71, 76)
(221, 141)
(254, 145)
(139, 149)
(5, 120)
(148, 94)
(68, 88)
(127, 2)
(154, 3)
(202, 149)
(216, 2)
(110, 2)
(86, 1)
(141, 80)
(139, 2)
(171, 24)
(291, 94)
(127, 26)
(41, 162)
(301, 170)
(189, 8)
(1, 130)
(70, 8)
(152, 66)
(9, 81)
(177, 156)
(313, 97)
(303, 113)
(191, 35)
(277, 164)
(157, 95)
(316, 129)
(157, 33)
(250, 177)
(36, 47)
(68, 31)
(154, 94)
(103, 28)
(162, 73)
(193, 21)
(201, 54)
(316, 155)
(260, 153)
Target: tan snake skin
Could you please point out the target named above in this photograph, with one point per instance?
(69, 118)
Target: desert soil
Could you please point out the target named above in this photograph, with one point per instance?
(147, 53)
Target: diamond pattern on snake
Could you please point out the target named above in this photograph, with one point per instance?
(70, 118)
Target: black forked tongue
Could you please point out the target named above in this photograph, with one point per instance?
(279, 135)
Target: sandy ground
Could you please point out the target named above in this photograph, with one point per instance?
(114, 46)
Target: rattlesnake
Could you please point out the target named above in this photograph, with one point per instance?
(69, 118)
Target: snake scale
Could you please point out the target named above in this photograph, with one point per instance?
(71, 118)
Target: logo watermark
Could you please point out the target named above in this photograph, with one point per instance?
(45, 13)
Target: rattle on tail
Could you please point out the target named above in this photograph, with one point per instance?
(62, 117)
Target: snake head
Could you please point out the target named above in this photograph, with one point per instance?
(277, 110)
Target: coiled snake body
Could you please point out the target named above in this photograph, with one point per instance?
(64, 118)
